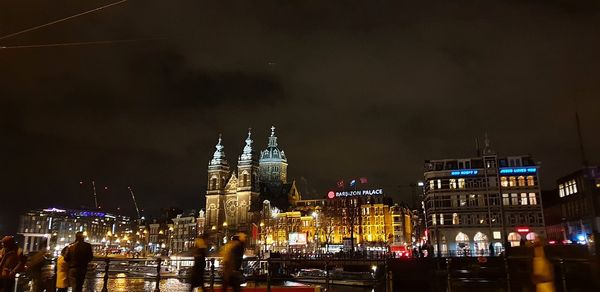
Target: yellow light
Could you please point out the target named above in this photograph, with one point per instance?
(262, 224)
(171, 228)
(224, 224)
(214, 227)
(109, 233)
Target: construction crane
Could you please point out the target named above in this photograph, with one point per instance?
(135, 203)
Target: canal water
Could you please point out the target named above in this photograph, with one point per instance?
(123, 283)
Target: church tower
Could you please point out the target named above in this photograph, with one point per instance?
(273, 163)
(218, 174)
(237, 206)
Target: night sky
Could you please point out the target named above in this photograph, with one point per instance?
(355, 88)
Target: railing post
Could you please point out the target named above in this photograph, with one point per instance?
(562, 275)
(327, 275)
(449, 272)
(269, 274)
(16, 282)
(212, 274)
(157, 288)
(105, 284)
(507, 271)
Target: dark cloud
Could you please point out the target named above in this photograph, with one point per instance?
(354, 88)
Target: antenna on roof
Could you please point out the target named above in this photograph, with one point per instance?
(478, 151)
(580, 139)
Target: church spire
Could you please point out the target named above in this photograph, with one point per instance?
(247, 153)
(219, 155)
(272, 138)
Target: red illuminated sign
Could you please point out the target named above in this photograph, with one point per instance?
(522, 229)
(331, 194)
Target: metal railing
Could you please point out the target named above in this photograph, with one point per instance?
(510, 273)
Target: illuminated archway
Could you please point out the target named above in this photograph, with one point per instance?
(514, 239)
(481, 242)
(462, 243)
(531, 236)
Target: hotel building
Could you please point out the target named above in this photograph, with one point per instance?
(478, 203)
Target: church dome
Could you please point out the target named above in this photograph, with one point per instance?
(273, 153)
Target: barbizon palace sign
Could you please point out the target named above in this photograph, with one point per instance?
(359, 193)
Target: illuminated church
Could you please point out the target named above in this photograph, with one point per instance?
(234, 198)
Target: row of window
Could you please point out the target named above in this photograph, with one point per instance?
(480, 182)
(514, 199)
(568, 188)
(517, 181)
(482, 200)
(529, 218)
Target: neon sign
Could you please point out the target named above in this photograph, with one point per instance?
(357, 193)
(518, 170)
(464, 172)
(87, 214)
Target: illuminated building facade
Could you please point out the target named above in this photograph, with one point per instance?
(317, 225)
(572, 211)
(473, 204)
(52, 229)
(233, 199)
(183, 233)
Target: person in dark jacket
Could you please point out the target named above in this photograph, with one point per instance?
(79, 255)
(233, 253)
(199, 252)
(12, 262)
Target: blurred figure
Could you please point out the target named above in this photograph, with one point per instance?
(543, 275)
(199, 253)
(12, 262)
(233, 253)
(79, 255)
(62, 272)
(34, 269)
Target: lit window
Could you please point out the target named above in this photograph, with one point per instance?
(521, 181)
(532, 199)
(512, 181)
(514, 199)
(439, 183)
(455, 219)
(496, 235)
(530, 181)
(432, 184)
(504, 181)
(463, 200)
(570, 188)
(461, 183)
(441, 219)
(523, 199)
(453, 183)
(505, 200)
(561, 190)
(433, 219)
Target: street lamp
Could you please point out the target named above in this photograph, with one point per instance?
(316, 216)
(264, 238)
(226, 233)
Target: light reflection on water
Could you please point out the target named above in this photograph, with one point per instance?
(122, 283)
